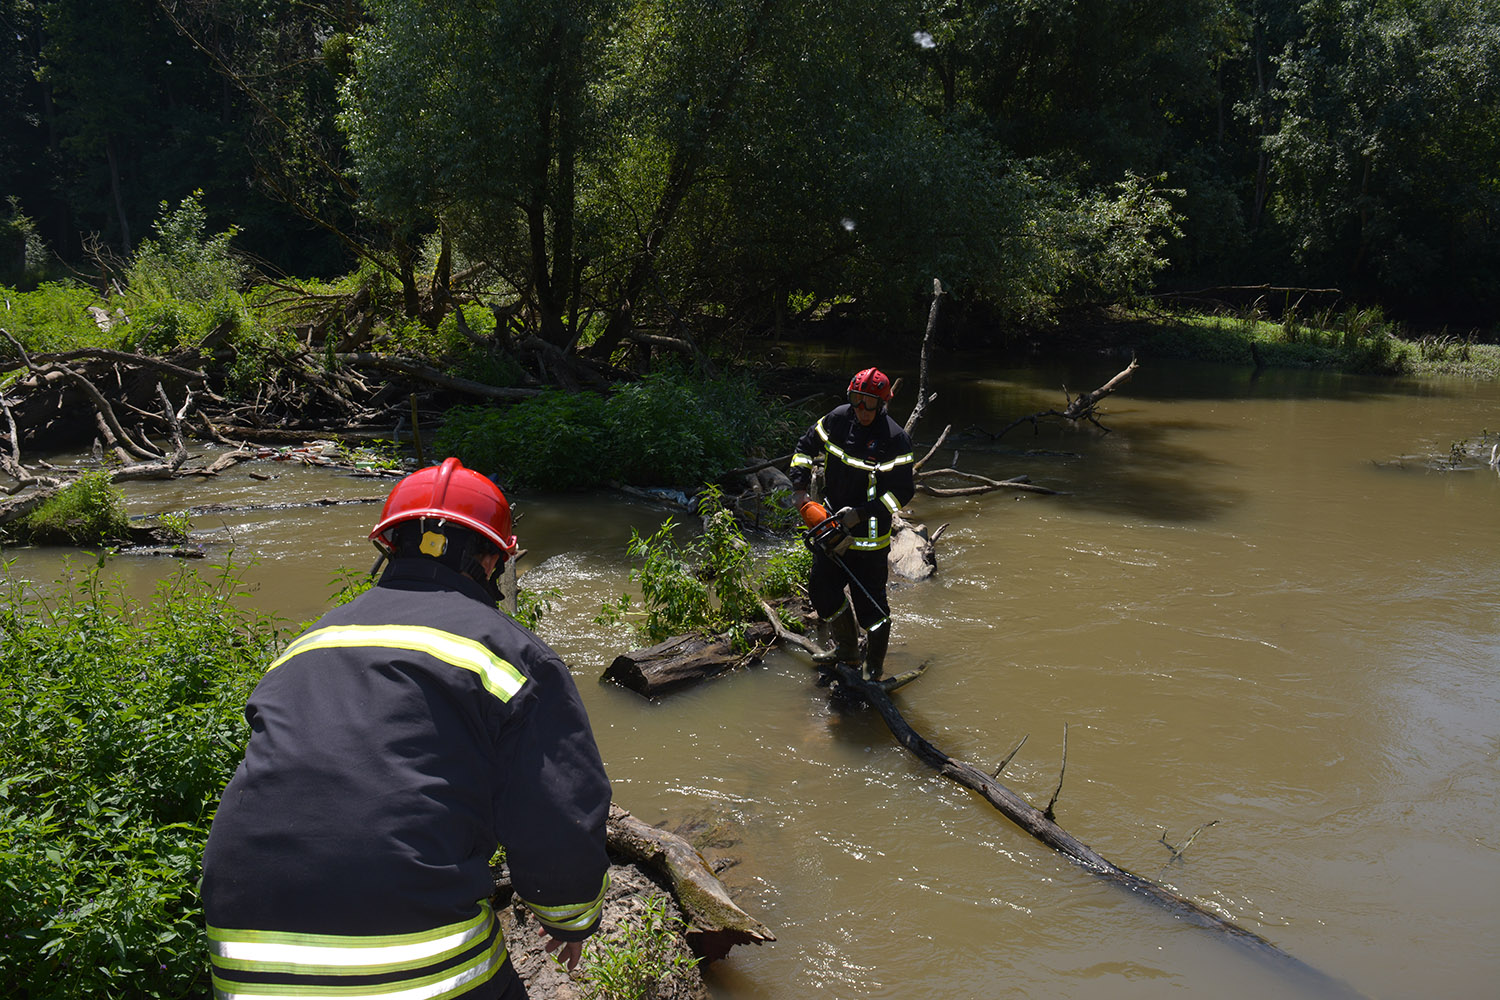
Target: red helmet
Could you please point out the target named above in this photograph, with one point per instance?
(873, 382)
(449, 492)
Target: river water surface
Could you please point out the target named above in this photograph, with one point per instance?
(1263, 604)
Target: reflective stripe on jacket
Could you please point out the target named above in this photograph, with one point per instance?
(867, 468)
(393, 746)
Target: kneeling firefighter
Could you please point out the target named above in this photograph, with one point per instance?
(393, 747)
(867, 476)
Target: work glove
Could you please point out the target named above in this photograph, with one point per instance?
(848, 518)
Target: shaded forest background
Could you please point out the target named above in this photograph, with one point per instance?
(601, 170)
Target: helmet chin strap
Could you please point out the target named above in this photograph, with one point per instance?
(490, 581)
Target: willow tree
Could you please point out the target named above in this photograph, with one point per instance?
(1387, 143)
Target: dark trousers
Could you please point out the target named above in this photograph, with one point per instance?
(827, 583)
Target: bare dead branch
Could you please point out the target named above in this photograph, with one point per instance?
(922, 398)
(935, 446)
(1084, 407)
(1048, 812)
(1000, 767)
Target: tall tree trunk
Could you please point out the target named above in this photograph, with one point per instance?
(682, 174)
(114, 190)
(411, 296)
(440, 297)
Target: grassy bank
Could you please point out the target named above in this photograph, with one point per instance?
(1359, 341)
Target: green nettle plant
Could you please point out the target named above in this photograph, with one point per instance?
(710, 585)
(627, 961)
(120, 724)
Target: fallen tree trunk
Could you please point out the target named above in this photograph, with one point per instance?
(684, 659)
(1040, 824)
(715, 923)
(430, 375)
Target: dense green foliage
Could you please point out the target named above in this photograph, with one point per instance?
(669, 428)
(119, 725)
(88, 511)
(709, 168)
(711, 584)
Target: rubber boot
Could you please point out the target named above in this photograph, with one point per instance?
(876, 643)
(845, 639)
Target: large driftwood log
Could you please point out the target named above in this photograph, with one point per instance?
(715, 922)
(684, 659)
(1041, 825)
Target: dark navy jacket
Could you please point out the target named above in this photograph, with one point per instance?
(867, 468)
(393, 746)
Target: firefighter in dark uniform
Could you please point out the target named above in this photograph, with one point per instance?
(867, 477)
(393, 747)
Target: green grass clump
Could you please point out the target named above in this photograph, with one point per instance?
(120, 724)
(89, 511)
(1354, 339)
(627, 961)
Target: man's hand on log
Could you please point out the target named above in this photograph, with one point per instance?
(566, 952)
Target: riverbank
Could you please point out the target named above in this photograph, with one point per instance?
(1355, 342)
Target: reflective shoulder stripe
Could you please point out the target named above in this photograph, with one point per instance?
(449, 982)
(863, 466)
(846, 458)
(500, 678)
(571, 916)
(898, 460)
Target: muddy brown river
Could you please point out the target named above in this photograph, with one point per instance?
(1264, 609)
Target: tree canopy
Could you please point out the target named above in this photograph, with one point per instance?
(651, 171)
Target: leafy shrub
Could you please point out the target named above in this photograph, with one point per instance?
(555, 441)
(119, 726)
(54, 317)
(450, 350)
(180, 260)
(89, 511)
(23, 256)
(669, 428)
(710, 585)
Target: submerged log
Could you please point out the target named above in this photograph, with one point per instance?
(1041, 825)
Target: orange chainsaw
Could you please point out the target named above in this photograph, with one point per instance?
(824, 532)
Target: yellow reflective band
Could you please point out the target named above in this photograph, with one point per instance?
(801, 459)
(879, 542)
(571, 916)
(499, 678)
(889, 499)
(343, 954)
(855, 463)
(436, 986)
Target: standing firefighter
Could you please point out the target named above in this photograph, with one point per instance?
(393, 746)
(867, 477)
